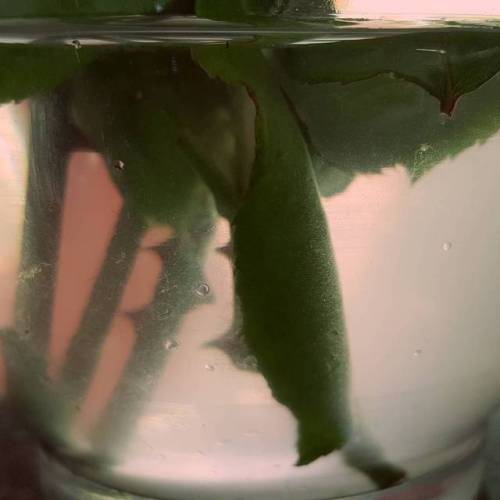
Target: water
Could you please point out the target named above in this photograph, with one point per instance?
(138, 364)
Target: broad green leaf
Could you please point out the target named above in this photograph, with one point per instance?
(382, 120)
(169, 124)
(447, 65)
(241, 10)
(78, 8)
(32, 69)
(238, 10)
(285, 279)
(120, 105)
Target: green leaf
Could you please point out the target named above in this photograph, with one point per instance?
(241, 10)
(378, 120)
(447, 65)
(238, 10)
(285, 277)
(78, 8)
(120, 105)
(171, 126)
(32, 69)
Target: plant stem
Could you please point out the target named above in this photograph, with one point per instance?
(51, 143)
(155, 325)
(85, 347)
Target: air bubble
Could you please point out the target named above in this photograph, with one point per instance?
(119, 165)
(171, 344)
(209, 368)
(417, 353)
(447, 246)
(203, 290)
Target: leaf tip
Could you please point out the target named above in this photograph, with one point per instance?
(313, 445)
(448, 105)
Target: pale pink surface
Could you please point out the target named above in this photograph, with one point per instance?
(91, 208)
(411, 8)
(139, 291)
(113, 360)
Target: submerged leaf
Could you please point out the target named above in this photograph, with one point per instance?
(78, 8)
(285, 277)
(119, 104)
(376, 119)
(238, 10)
(32, 69)
(447, 65)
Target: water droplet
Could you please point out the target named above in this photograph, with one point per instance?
(447, 246)
(77, 44)
(425, 147)
(203, 290)
(159, 8)
(119, 165)
(417, 353)
(209, 368)
(171, 344)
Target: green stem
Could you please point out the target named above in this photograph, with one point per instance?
(85, 348)
(50, 148)
(285, 275)
(156, 325)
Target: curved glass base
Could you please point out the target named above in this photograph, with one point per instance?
(459, 480)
